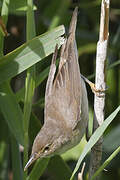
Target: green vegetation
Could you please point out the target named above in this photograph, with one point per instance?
(25, 57)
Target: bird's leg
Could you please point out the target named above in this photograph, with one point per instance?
(96, 91)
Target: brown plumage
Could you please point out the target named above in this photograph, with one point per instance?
(66, 104)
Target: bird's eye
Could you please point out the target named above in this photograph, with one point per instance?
(46, 148)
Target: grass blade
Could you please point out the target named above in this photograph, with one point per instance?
(11, 111)
(38, 80)
(30, 53)
(16, 160)
(58, 169)
(29, 82)
(38, 169)
(106, 163)
(94, 138)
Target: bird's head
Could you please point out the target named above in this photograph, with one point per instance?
(46, 144)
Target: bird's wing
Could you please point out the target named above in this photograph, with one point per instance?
(64, 103)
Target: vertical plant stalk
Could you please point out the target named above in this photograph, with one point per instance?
(29, 83)
(107, 161)
(4, 15)
(99, 101)
(16, 159)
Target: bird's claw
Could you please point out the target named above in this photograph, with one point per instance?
(98, 92)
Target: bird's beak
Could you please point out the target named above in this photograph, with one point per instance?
(31, 160)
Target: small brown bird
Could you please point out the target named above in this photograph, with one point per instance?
(66, 103)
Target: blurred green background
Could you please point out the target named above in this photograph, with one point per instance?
(50, 14)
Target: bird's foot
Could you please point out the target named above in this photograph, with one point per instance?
(97, 92)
